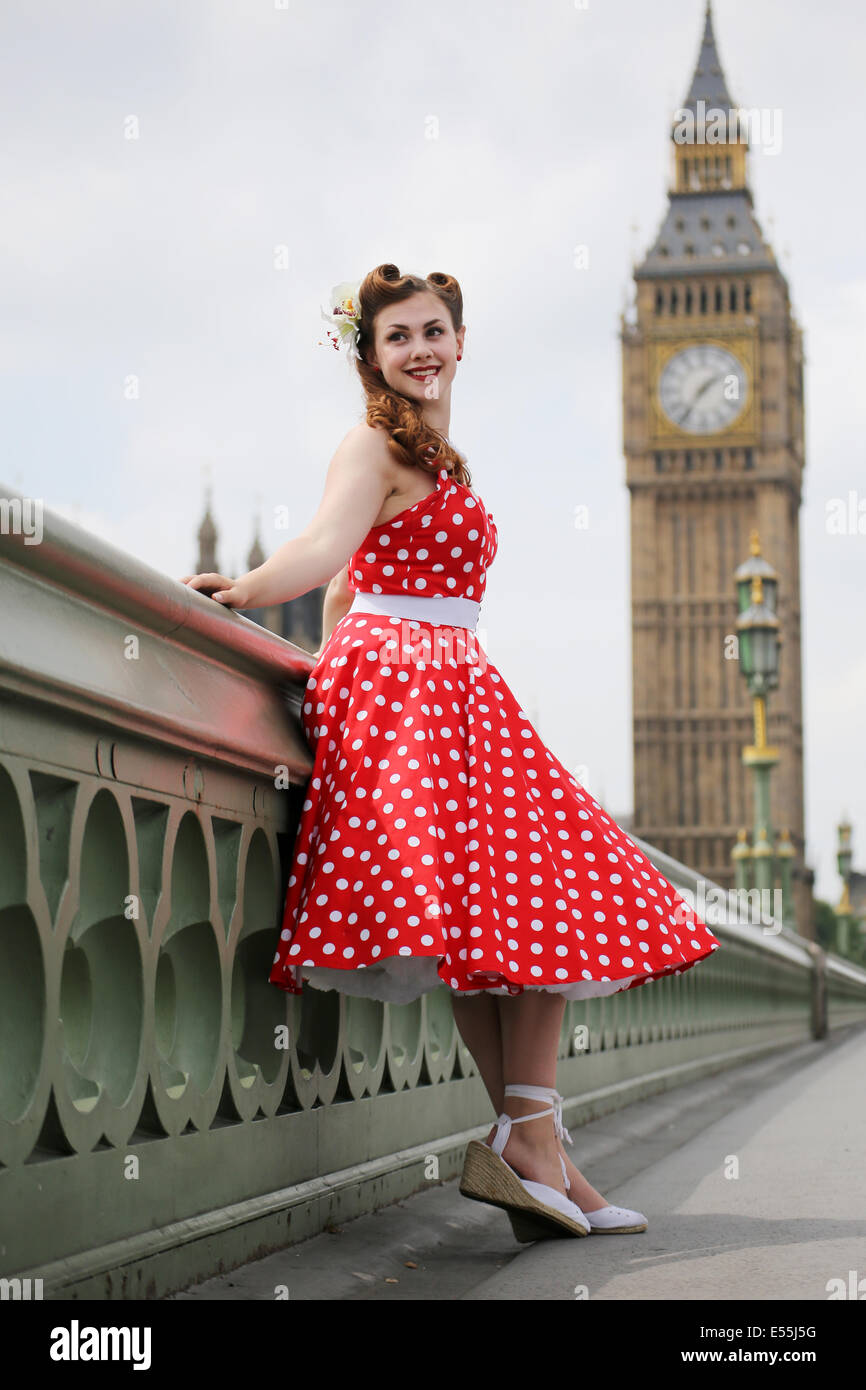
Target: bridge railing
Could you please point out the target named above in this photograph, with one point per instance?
(165, 1111)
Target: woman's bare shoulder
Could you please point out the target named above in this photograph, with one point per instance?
(372, 440)
(368, 445)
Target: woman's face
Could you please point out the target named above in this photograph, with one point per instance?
(416, 346)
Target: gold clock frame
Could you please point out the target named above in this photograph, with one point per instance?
(664, 431)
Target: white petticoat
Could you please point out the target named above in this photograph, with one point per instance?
(402, 979)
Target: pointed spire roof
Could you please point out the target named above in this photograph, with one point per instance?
(207, 538)
(708, 82)
(256, 554)
(207, 531)
(710, 223)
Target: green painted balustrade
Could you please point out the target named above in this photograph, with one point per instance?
(165, 1111)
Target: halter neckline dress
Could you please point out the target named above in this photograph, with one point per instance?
(441, 842)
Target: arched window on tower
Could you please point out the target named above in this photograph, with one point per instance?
(703, 299)
(747, 298)
(718, 301)
(688, 304)
(660, 301)
(732, 299)
(674, 300)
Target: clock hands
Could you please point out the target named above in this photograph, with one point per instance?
(703, 388)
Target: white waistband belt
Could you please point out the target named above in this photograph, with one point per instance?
(445, 609)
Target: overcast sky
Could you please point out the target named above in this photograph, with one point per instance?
(305, 124)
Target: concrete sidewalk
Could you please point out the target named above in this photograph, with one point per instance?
(752, 1180)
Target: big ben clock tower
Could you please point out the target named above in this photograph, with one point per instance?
(713, 442)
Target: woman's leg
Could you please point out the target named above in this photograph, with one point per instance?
(530, 1038)
(479, 1022)
(530, 1025)
(477, 1019)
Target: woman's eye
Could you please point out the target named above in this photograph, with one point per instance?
(392, 337)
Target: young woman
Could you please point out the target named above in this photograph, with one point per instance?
(441, 841)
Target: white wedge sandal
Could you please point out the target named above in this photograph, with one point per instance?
(536, 1211)
(488, 1178)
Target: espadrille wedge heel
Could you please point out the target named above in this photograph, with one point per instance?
(536, 1211)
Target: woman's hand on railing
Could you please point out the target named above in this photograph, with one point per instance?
(231, 593)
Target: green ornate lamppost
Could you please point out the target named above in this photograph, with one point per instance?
(844, 912)
(759, 648)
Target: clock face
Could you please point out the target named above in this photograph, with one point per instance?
(703, 388)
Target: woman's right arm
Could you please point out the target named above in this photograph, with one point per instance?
(358, 480)
(357, 483)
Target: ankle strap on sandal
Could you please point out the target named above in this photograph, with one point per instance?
(541, 1093)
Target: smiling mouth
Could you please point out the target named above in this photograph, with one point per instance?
(420, 372)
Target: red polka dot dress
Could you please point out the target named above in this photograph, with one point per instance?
(440, 840)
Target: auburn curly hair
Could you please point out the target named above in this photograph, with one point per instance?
(411, 439)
